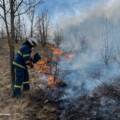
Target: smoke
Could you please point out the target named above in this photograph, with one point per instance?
(86, 35)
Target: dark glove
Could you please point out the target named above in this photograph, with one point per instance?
(36, 58)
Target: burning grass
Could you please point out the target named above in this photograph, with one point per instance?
(49, 64)
(46, 104)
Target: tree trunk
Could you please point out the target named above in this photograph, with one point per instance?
(10, 37)
(12, 42)
(11, 47)
(31, 29)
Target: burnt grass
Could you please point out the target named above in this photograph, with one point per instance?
(102, 104)
(44, 105)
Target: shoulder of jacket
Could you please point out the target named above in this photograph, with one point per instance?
(25, 48)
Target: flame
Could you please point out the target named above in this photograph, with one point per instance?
(41, 62)
(57, 51)
(42, 67)
(51, 81)
(69, 55)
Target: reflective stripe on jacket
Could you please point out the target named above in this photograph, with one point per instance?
(18, 65)
(23, 56)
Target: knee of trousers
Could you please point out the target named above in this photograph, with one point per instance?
(19, 76)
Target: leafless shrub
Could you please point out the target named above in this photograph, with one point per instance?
(42, 26)
(107, 51)
(83, 43)
(58, 37)
(112, 90)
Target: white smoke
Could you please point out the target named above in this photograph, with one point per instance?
(94, 26)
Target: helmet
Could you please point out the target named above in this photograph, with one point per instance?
(33, 41)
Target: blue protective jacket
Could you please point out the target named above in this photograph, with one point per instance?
(23, 56)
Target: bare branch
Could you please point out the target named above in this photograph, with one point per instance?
(42, 27)
(27, 3)
(18, 6)
(1, 16)
(1, 6)
(34, 5)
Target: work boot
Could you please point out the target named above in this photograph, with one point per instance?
(26, 87)
(17, 93)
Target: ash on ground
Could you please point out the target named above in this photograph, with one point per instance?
(102, 104)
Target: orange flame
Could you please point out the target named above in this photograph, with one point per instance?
(51, 81)
(57, 51)
(42, 67)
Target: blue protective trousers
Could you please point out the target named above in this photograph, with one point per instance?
(21, 81)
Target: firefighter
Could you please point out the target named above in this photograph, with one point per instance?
(23, 59)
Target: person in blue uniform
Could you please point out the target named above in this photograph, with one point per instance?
(23, 59)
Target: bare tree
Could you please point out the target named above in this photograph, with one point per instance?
(107, 46)
(18, 28)
(58, 37)
(21, 32)
(42, 25)
(2, 34)
(107, 54)
(83, 43)
(8, 10)
(31, 15)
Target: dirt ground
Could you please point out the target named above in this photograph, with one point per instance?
(33, 104)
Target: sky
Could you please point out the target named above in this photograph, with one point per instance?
(58, 8)
(69, 6)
